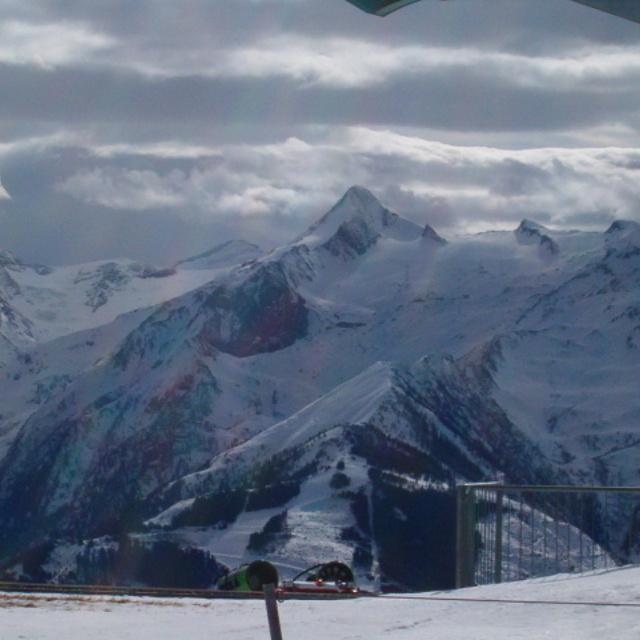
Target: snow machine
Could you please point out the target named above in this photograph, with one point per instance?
(331, 577)
(249, 577)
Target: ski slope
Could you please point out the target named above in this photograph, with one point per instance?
(598, 606)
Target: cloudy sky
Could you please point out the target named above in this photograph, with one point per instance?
(156, 129)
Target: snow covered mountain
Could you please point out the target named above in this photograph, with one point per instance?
(320, 401)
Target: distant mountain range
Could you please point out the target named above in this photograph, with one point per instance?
(316, 402)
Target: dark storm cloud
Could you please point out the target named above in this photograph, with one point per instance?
(441, 98)
(170, 63)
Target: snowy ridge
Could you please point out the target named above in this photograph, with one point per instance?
(230, 253)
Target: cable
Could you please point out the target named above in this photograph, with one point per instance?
(512, 601)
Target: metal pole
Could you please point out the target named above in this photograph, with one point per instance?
(465, 537)
(499, 525)
(272, 611)
(460, 535)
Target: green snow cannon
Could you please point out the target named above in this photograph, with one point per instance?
(249, 577)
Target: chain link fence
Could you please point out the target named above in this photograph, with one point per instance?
(509, 532)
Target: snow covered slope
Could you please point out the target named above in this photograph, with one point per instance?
(330, 389)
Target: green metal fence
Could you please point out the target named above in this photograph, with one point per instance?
(511, 532)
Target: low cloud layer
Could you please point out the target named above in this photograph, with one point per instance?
(158, 130)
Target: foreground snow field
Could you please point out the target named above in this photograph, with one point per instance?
(599, 606)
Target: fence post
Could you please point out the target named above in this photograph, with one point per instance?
(465, 537)
(499, 524)
(272, 611)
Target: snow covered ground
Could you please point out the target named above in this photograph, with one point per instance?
(598, 606)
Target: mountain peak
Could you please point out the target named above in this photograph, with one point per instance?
(624, 229)
(7, 259)
(531, 227)
(355, 223)
(623, 238)
(532, 233)
(356, 203)
(429, 233)
(358, 194)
